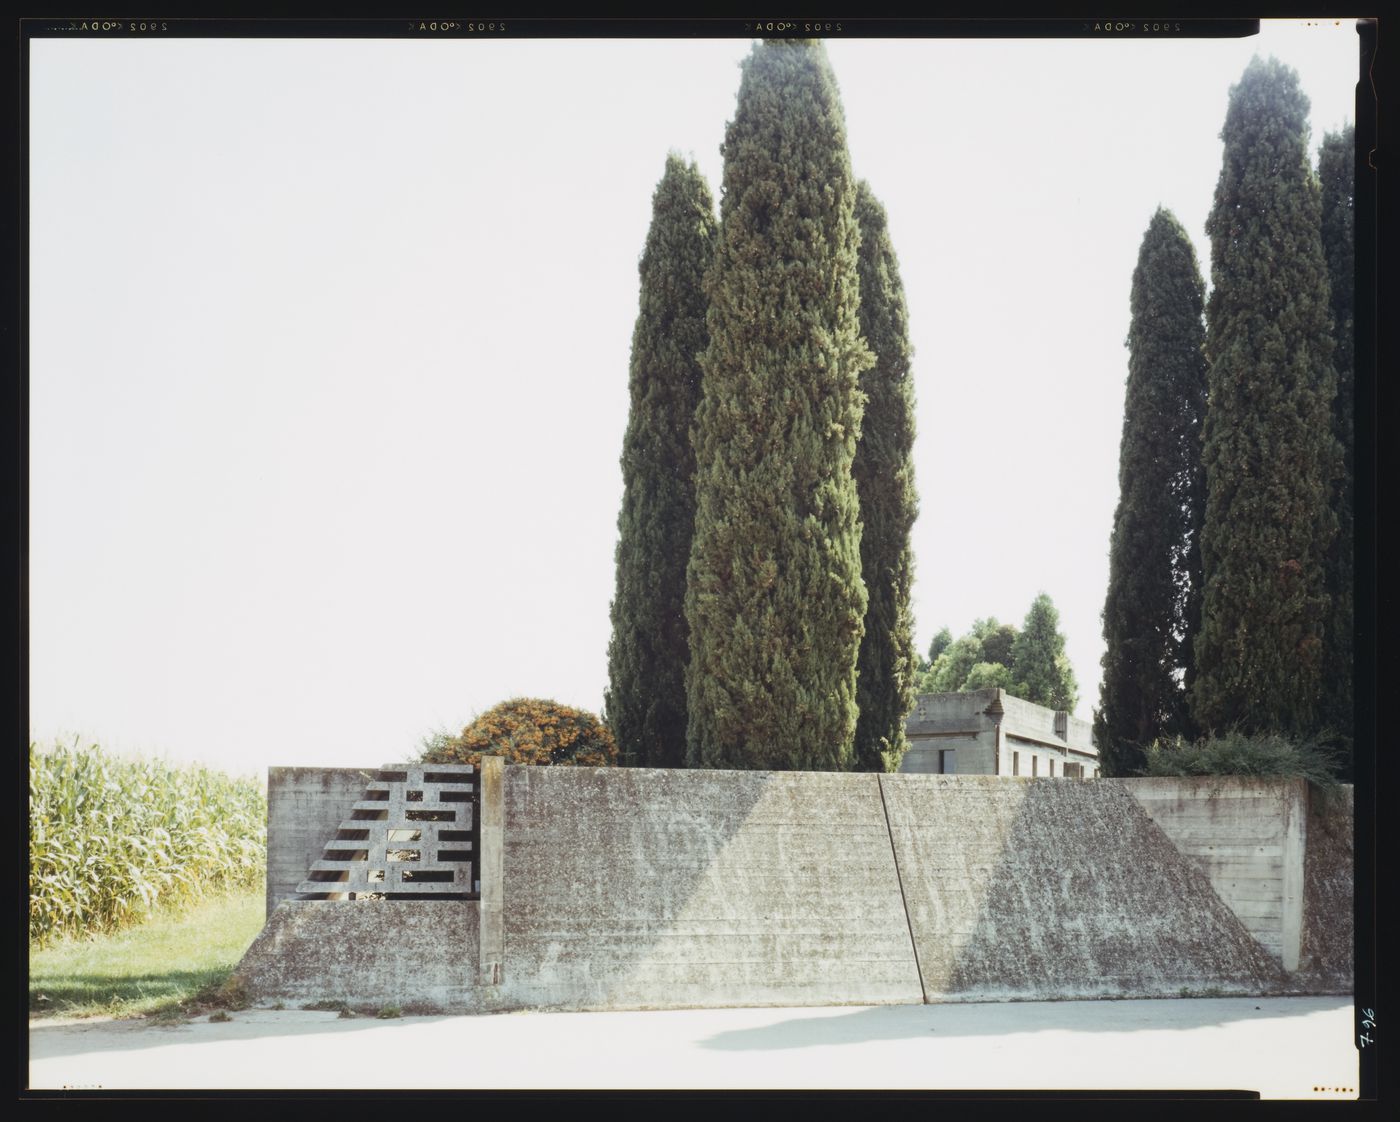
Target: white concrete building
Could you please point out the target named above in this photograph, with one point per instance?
(989, 732)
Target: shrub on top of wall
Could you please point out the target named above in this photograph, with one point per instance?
(529, 730)
(1268, 756)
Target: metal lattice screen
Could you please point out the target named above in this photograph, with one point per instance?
(413, 834)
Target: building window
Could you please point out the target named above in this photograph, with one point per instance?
(948, 761)
(1035, 765)
(1015, 763)
(1052, 768)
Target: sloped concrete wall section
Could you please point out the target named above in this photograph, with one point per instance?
(417, 954)
(1045, 888)
(632, 888)
(1249, 838)
(643, 888)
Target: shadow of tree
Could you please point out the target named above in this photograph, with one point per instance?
(71, 991)
(907, 1022)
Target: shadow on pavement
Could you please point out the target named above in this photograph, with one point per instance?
(900, 1022)
(76, 1038)
(815, 1026)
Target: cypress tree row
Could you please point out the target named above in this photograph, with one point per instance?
(1154, 577)
(774, 596)
(645, 700)
(1270, 457)
(884, 475)
(1336, 165)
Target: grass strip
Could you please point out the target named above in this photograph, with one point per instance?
(170, 965)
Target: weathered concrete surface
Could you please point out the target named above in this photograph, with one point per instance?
(1248, 837)
(646, 888)
(1028, 889)
(1326, 964)
(305, 806)
(419, 954)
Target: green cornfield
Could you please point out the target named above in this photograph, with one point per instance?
(112, 839)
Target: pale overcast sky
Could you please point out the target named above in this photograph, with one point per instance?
(329, 348)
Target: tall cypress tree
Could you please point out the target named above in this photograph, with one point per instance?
(1269, 453)
(884, 474)
(1154, 575)
(774, 596)
(645, 701)
(1336, 172)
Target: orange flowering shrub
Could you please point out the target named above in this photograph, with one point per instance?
(530, 730)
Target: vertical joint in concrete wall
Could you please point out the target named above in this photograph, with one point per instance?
(1295, 843)
(903, 898)
(492, 928)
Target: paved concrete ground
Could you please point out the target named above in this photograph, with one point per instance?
(1282, 1047)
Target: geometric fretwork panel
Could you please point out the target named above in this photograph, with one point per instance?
(413, 834)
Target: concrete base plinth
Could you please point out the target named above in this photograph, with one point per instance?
(415, 954)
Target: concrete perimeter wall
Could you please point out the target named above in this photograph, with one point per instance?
(1036, 888)
(634, 888)
(638, 887)
(1248, 838)
(1279, 855)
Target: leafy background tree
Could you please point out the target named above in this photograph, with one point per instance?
(941, 642)
(774, 595)
(1336, 173)
(645, 700)
(1154, 583)
(1041, 667)
(985, 675)
(987, 643)
(924, 662)
(1270, 457)
(950, 669)
(998, 642)
(884, 475)
(1029, 663)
